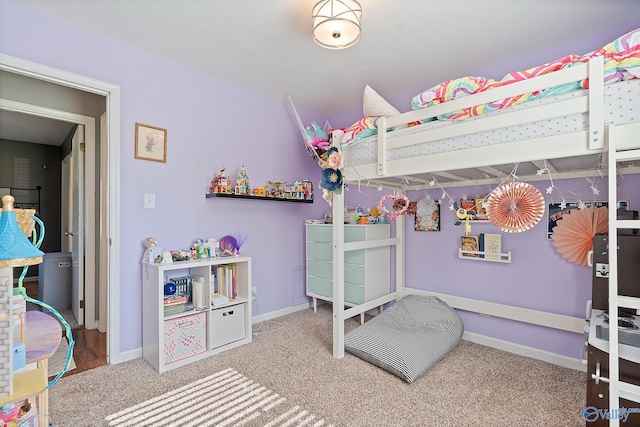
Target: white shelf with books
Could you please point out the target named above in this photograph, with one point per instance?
(483, 247)
(194, 309)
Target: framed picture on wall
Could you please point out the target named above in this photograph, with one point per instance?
(555, 211)
(427, 215)
(151, 143)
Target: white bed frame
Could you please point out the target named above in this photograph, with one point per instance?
(598, 138)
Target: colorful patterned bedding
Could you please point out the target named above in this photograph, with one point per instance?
(621, 59)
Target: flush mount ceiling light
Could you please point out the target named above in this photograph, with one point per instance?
(336, 23)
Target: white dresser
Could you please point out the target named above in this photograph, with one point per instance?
(366, 271)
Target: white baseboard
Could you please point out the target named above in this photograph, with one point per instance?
(279, 313)
(534, 353)
(126, 356)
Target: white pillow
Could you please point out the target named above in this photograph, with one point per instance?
(375, 105)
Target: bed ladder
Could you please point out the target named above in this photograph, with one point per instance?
(617, 389)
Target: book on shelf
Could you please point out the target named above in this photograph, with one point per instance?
(474, 205)
(492, 245)
(174, 299)
(468, 205)
(198, 297)
(224, 281)
(178, 308)
(183, 285)
(218, 300)
(481, 211)
(470, 243)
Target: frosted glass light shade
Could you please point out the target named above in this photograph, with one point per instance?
(336, 23)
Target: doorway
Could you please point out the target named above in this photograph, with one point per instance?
(66, 280)
(105, 184)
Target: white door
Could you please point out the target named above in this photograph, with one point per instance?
(76, 213)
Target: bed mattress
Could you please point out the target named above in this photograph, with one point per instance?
(622, 105)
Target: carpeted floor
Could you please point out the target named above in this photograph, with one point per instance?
(59, 359)
(291, 357)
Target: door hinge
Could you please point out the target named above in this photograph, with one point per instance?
(82, 147)
(81, 303)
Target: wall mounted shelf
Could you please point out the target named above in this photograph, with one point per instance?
(504, 257)
(244, 196)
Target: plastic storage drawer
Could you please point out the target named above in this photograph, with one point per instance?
(185, 337)
(54, 280)
(227, 325)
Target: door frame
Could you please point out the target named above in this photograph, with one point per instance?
(111, 176)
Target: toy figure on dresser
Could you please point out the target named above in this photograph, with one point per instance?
(221, 183)
(152, 253)
(242, 185)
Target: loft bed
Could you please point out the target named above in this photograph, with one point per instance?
(401, 157)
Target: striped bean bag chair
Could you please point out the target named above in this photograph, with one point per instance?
(408, 338)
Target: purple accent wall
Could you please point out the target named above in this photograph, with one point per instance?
(212, 123)
(538, 277)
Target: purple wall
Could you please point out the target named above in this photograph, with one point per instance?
(538, 277)
(212, 123)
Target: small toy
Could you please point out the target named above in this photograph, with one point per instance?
(166, 258)
(228, 246)
(170, 288)
(242, 185)
(152, 252)
(221, 183)
(211, 248)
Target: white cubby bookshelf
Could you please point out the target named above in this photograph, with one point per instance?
(179, 339)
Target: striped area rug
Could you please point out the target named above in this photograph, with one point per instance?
(226, 398)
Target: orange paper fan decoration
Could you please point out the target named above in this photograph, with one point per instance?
(515, 207)
(573, 234)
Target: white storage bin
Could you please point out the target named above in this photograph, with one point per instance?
(227, 325)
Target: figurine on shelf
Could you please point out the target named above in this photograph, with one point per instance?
(211, 248)
(242, 185)
(277, 192)
(221, 183)
(228, 246)
(152, 251)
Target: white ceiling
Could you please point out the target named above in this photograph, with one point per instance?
(406, 45)
(266, 45)
(22, 127)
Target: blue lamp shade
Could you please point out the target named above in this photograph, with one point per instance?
(15, 249)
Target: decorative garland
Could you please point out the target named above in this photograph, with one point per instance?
(395, 214)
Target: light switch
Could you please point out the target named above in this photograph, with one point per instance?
(149, 200)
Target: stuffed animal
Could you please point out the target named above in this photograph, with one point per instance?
(151, 252)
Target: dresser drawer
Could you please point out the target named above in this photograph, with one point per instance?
(352, 293)
(324, 233)
(324, 251)
(352, 273)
